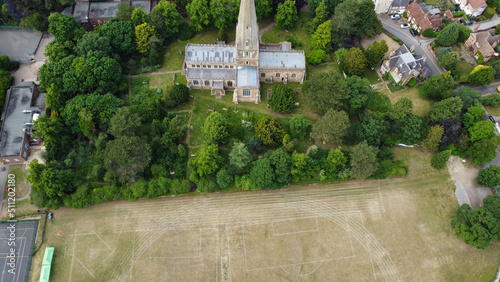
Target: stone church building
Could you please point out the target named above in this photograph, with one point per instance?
(243, 66)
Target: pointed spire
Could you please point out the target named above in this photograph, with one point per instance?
(247, 30)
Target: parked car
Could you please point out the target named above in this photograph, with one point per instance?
(462, 21)
(413, 32)
(395, 17)
(498, 88)
(405, 25)
(492, 118)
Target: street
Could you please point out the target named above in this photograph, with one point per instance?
(488, 89)
(421, 45)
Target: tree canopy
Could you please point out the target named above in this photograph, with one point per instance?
(326, 91)
(332, 126)
(282, 99)
(364, 160)
(438, 86)
(353, 61)
(286, 15)
(215, 128)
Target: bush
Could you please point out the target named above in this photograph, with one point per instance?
(405, 15)
(179, 94)
(224, 179)
(384, 170)
(428, 33)
(497, 29)
(459, 14)
(185, 32)
(400, 168)
(439, 160)
(222, 35)
(412, 82)
(316, 56)
(295, 42)
(7, 64)
(282, 99)
(491, 100)
(489, 13)
(379, 103)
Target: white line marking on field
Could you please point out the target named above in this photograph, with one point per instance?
(84, 267)
(72, 256)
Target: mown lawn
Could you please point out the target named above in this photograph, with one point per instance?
(421, 106)
(463, 68)
(494, 111)
(298, 32)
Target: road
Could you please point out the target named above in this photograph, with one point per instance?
(421, 45)
(484, 25)
(488, 89)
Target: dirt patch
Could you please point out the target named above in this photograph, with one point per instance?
(393, 45)
(27, 72)
(466, 177)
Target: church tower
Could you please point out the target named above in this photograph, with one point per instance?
(247, 35)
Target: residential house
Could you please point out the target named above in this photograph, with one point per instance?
(399, 6)
(473, 8)
(483, 43)
(382, 6)
(403, 66)
(23, 105)
(448, 15)
(421, 18)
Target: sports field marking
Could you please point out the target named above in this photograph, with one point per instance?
(165, 231)
(305, 274)
(293, 220)
(72, 256)
(19, 251)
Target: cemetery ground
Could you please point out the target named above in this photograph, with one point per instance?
(393, 229)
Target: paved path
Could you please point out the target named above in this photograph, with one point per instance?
(421, 45)
(265, 29)
(154, 73)
(380, 84)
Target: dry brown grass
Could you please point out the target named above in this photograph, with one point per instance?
(421, 106)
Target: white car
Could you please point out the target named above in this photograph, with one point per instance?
(395, 17)
(405, 25)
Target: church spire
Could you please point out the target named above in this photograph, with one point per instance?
(247, 34)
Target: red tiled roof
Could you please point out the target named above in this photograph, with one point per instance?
(476, 3)
(448, 14)
(425, 21)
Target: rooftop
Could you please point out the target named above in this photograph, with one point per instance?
(247, 77)
(210, 53)
(145, 5)
(400, 3)
(103, 9)
(81, 12)
(282, 60)
(211, 73)
(12, 134)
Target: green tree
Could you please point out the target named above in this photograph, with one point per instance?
(353, 61)
(446, 109)
(371, 129)
(224, 178)
(438, 86)
(481, 75)
(38, 22)
(489, 176)
(220, 13)
(428, 32)
(270, 131)
(139, 16)
(125, 123)
(301, 167)
(450, 60)
(335, 162)
(483, 151)
(329, 6)
(282, 99)
(496, 68)
(179, 94)
(484, 129)
(376, 52)
(299, 126)
(55, 51)
(463, 33)
(327, 91)
(440, 160)
(86, 123)
(433, 138)
(121, 36)
(263, 8)
(477, 227)
(468, 96)
(207, 160)
(170, 16)
(316, 56)
(124, 12)
(125, 158)
(280, 162)
(262, 174)
(321, 15)
(239, 157)
(142, 33)
(199, 13)
(411, 129)
(401, 109)
(331, 127)
(7, 64)
(360, 90)
(65, 28)
(5, 83)
(448, 36)
(322, 38)
(473, 115)
(93, 42)
(364, 160)
(286, 15)
(215, 128)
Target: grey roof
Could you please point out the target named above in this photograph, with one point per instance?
(103, 9)
(81, 12)
(211, 73)
(406, 62)
(145, 5)
(434, 11)
(282, 60)
(400, 3)
(12, 134)
(247, 77)
(210, 53)
(67, 11)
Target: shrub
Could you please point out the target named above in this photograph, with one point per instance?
(185, 32)
(283, 99)
(439, 160)
(405, 15)
(497, 29)
(379, 103)
(412, 82)
(224, 179)
(295, 42)
(384, 170)
(316, 56)
(7, 64)
(428, 33)
(489, 13)
(400, 168)
(179, 94)
(491, 100)
(222, 35)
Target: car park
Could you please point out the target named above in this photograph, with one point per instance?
(405, 25)
(413, 32)
(395, 17)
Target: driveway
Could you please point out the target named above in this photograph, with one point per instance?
(491, 23)
(488, 89)
(421, 45)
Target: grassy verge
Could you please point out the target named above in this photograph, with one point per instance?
(463, 68)
(494, 111)
(22, 186)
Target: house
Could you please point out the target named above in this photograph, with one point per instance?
(403, 66)
(421, 18)
(483, 43)
(23, 105)
(448, 15)
(399, 6)
(241, 67)
(473, 8)
(91, 14)
(382, 6)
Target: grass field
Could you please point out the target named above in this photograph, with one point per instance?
(421, 106)
(298, 32)
(22, 186)
(395, 229)
(494, 111)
